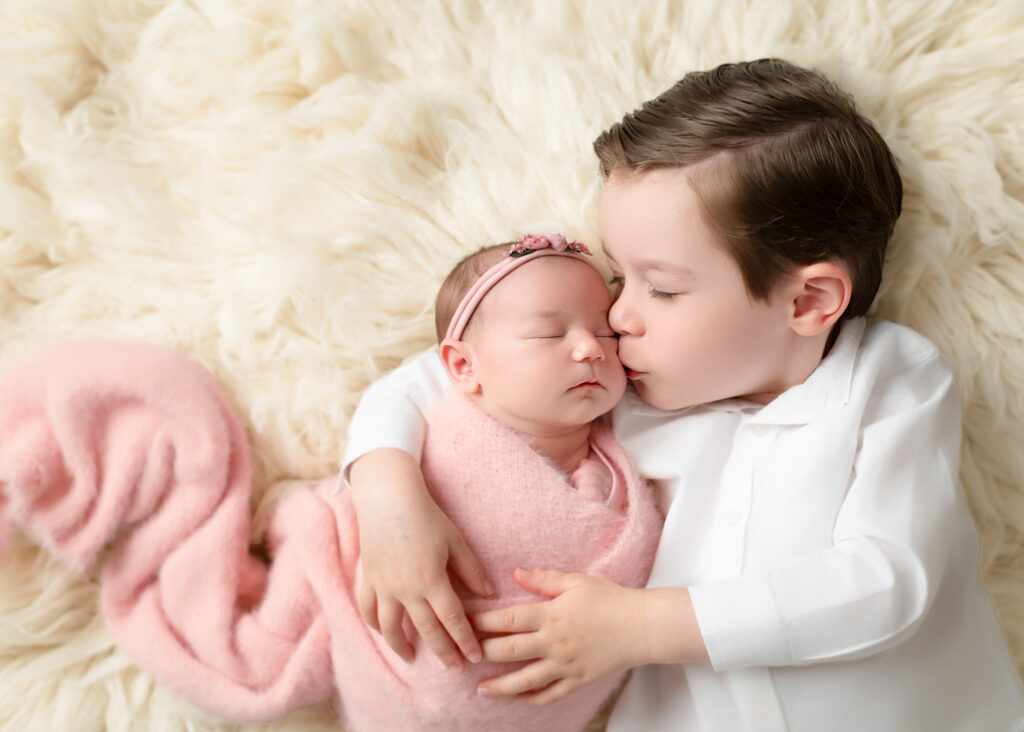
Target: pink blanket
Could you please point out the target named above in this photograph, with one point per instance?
(135, 446)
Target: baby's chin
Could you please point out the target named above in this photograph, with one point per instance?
(600, 409)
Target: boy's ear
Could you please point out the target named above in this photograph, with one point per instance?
(820, 295)
(457, 357)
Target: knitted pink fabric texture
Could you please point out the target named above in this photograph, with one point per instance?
(135, 445)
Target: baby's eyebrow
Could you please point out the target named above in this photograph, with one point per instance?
(557, 314)
(546, 314)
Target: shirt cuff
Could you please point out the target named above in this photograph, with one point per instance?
(740, 624)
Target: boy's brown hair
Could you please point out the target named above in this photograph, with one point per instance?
(460, 279)
(787, 171)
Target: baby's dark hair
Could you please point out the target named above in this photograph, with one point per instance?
(786, 169)
(460, 279)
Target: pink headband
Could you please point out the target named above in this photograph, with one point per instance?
(531, 247)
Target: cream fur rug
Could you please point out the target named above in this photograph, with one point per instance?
(277, 187)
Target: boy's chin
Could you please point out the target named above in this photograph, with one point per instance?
(659, 399)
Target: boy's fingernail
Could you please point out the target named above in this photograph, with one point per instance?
(483, 691)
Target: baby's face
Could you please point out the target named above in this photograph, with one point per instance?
(545, 357)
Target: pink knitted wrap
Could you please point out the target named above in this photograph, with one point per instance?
(515, 509)
(133, 444)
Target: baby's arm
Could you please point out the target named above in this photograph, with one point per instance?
(589, 629)
(406, 541)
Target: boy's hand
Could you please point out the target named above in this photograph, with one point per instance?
(407, 544)
(590, 629)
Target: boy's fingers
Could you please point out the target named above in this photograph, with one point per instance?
(515, 619)
(433, 634)
(368, 606)
(390, 618)
(447, 608)
(548, 582)
(517, 647)
(467, 567)
(535, 676)
(551, 693)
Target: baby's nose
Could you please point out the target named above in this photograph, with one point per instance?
(588, 348)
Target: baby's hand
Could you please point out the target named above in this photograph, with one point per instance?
(406, 544)
(590, 629)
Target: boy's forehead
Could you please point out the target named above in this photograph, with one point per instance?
(646, 215)
(628, 199)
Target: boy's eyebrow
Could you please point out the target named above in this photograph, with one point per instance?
(657, 264)
(663, 265)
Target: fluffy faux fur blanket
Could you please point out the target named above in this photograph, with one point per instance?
(134, 446)
(277, 188)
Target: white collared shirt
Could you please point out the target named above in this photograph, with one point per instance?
(829, 552)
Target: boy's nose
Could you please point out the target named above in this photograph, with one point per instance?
(622, 318)
(588, 348)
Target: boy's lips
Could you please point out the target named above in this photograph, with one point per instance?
(631, 373)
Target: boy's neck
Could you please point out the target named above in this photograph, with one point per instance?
(801, 358)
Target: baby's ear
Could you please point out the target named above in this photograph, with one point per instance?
(821, 292)
(458, 362)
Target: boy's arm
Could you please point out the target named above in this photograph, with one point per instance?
(406, 541)
(902, 515)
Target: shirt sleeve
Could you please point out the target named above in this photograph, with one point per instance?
(891, 541)
(390, 413)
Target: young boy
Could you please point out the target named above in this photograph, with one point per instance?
(818, 565)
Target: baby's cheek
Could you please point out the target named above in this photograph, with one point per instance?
(616, 379)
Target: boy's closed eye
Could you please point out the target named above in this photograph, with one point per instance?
(660, 294)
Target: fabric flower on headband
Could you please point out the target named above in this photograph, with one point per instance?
(533, 242)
